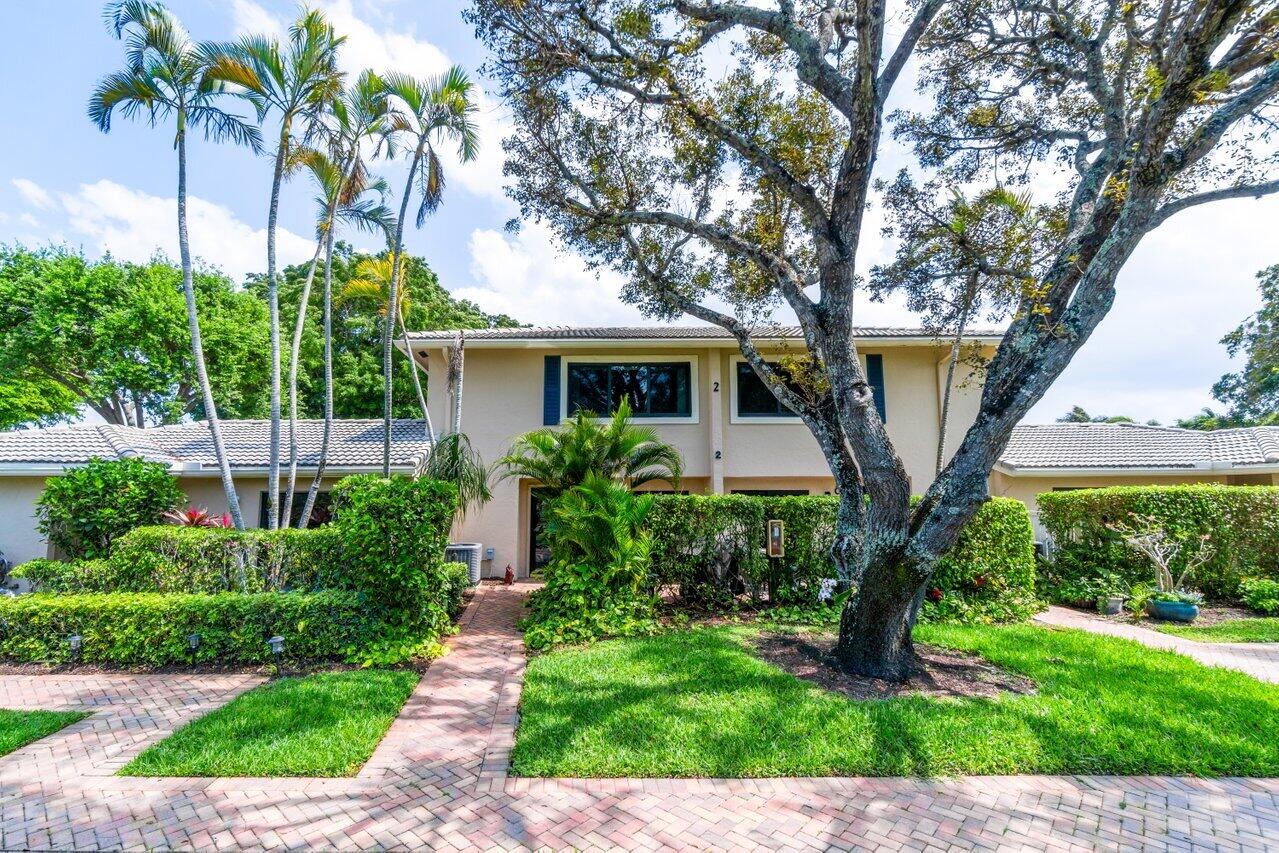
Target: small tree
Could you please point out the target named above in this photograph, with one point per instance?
(1145, 535)
(83, 511)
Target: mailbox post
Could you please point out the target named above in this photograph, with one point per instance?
(776, 538)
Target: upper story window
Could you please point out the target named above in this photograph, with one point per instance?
(754, 399)
(654, 389)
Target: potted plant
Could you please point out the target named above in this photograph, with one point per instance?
(1171, 599)
(1111, 592)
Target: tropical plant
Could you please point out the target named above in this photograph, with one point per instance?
(423, 114)
(166, 76)
(298, 81)
(455, 461)
(194, 516)
(85, 509)
(617, 449)
(1174, 559)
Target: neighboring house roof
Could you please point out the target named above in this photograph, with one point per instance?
(562, 334)
(1119, 447)
(354, 444)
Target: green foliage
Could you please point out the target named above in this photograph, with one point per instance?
(19, 728)
(326, 724)
(1241, 521)
(712, 547)
(107, 333)
(1229, 631)
(596, 582)
(457, 580)
(454, 460)
(700, 704)
(151, 629)
(565, 457)
(85, 509)
(1253, 392)
(393, 532)
(1260, 594)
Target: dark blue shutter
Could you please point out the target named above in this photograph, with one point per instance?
(875, 376)
(551, 391)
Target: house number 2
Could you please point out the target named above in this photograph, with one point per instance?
(716, 389)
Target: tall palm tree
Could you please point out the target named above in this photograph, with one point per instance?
(166, 76)
(617, 449)
(298, 80)
(358, 115)
(359, 203)
(423, 114)
(373, 284)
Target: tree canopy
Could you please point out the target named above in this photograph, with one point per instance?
(1252, 393)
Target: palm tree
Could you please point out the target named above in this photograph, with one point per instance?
(298, 80)
(356, 202)
(373, 284)
(357, 115)
(561, 459)
(165, 76)
(423, 113)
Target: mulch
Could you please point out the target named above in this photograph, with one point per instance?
(942, 672)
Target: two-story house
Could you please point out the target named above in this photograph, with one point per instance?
(694, 386)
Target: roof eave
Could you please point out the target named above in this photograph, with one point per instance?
(1142, 470)
(664, 343)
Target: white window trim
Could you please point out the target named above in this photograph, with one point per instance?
(694, 397)
(735, 418)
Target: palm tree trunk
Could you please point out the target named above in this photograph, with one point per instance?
(273, 307)
(458, 368)
(969, 295)
(197, 343)
(295, 353)
(417, 383)
(320, 464)
(388, 329)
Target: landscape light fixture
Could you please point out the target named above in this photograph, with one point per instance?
(277, 648)
(193, 643)
(76, 642)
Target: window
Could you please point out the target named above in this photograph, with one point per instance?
(771, 493)
(754, 398)
(319, 512)
(660, 389)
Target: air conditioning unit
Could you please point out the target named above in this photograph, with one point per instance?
(469, 553)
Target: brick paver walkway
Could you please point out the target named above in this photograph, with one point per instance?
(438, 780)
(1260, 660)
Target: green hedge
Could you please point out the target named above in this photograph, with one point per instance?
(1241, 521)
(151, 629)
(457, 579)
(712, 547)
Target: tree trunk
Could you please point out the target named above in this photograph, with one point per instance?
(273, 308)
(969, 295)
(197, 344)
(417, 383)
(295, 352)
(388, 330)
(457, 368)
(876, 623)
(320, 464)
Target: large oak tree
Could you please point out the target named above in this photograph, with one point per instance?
(721, 154)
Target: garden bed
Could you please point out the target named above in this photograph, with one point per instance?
(702, 703)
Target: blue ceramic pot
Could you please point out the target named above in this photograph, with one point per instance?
(1172, 611)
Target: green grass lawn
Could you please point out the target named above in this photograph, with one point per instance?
(1259, 630)
(318, 725)
(698, 703)
(19, 728)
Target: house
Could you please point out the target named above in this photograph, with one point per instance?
(694, 386)
(1051, 457)
(29, 457)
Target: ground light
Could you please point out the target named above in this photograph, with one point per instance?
(277, 648)
(193, 643)
(76, 642)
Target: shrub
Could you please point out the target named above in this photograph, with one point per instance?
(596, 582)
(151, 629)
(60, 577)
(83, 511)
(214, 559)
(712, 547)
(1260, 594)
(1242, 521)
(457, 579)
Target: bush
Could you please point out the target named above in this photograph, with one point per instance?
(596, 582)
(457, 579)
(712, 547)
(1261, 594)
(83, 511)
(151, 629)
(1242, 523)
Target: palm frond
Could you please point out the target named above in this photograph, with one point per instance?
(130, 91)
(430, 185)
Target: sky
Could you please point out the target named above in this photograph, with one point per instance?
(62, 181)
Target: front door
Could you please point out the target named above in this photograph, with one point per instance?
(539, 553)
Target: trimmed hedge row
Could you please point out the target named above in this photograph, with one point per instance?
(1242, 523)
(151, 629)
(712, 547)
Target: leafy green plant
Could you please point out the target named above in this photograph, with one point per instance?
(596, 582)
(1260, 594)
(454, 460)
(565, 457)
(85, 509)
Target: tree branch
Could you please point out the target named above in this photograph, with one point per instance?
(1243, 191)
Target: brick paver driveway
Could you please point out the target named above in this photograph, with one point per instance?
(439, 780)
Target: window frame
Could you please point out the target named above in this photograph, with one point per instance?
(735, 417)
(694, 398)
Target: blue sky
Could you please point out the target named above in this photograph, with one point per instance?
(61, 180)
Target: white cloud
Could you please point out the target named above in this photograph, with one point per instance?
(524, 275)
(250, 18)
(28, 220)
(33, 194)
(133, 225)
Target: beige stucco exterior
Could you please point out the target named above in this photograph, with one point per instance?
(503, 397)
